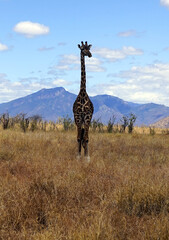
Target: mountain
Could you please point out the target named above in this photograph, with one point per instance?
(163, 123)
(57, 102)
(48, 103)
(105, 106)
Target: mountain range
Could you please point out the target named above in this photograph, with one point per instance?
(163, 123)
(53, 103)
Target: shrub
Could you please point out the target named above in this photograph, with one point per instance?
(132, 120)
(68, 123)
(5, 120)
(124, 124)
(24, 122)
(97, 124)
(34, 122)
(152, 131)
(111, 124)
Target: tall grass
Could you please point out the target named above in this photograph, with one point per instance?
(46, 193)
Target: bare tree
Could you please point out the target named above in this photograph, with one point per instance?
(24, 122)
(132, 120)
(111, 124)
(124, 124)
(5, 120)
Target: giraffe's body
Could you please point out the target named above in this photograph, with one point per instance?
(83, 107)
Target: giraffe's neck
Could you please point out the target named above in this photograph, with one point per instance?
(83, 73)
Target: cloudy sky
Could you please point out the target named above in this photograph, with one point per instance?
(130, 47)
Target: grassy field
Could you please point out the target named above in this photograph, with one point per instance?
(46, 194)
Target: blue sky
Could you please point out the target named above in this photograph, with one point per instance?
(130, 47)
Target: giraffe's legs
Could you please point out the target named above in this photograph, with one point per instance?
(85, 143)
(79, 142)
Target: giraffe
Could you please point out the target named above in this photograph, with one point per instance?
(83, 107)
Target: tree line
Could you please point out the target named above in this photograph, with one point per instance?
(36, 122)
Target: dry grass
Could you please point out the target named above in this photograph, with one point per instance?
(46, 194)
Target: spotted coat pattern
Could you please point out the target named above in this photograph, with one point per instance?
(83, 107)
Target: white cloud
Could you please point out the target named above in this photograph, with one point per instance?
(128, 33)
(72, 62)
(140, 84)
(63, 67)
(3, 47)
(117, 54)
(17, 84)
(11, 90)
(42, 49)
(30, 29)
(69, 59)
(164, 3)
(60, 82)
(94, 65)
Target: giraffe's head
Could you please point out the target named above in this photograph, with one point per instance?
(85, 49)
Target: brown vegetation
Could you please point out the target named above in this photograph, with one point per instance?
(45, 193)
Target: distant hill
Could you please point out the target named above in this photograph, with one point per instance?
(163, 123)
(57, 102)
(48, 103)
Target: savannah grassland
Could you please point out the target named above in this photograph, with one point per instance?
(47, 194)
